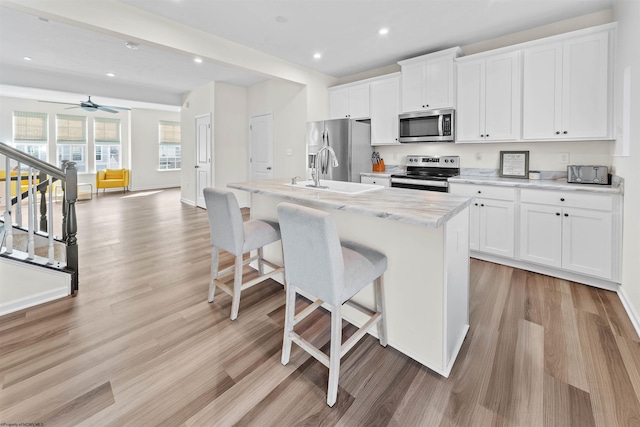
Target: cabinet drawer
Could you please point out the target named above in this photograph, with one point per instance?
(376, 180)
(571, 199)
(484, 191)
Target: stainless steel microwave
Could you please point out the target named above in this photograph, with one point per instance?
(427, 126)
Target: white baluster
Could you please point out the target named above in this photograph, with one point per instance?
(8, 224)
(30, 225)
(50, 219)
(19, 196)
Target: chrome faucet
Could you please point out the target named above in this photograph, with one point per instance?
(315, 173)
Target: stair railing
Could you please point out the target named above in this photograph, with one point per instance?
(40, 177)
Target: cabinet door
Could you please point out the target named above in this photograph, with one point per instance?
(413, 76)
(439, 83)
(385, 106)
(339, 103)
(586, 242)
(359, 101)
(496, 227)
(585, 87)
(502, 97)
(470, 110)
(541, 234)
(542, 92)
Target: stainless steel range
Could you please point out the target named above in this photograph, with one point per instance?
(429, 173)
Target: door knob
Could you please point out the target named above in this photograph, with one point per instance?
(196, 166)
(268, 168)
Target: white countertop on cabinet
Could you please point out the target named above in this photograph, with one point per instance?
(543, 184)
(425, 208)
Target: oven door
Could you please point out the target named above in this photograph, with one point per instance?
(420, 184)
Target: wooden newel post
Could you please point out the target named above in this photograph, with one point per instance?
(70, 198)
(42, 177)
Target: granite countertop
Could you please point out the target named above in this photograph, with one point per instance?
(425, 208)
(544, 184)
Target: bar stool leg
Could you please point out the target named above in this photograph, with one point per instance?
(334, 354)
(289, 315)
(260, 263)
(215, 256)
(237, 287)
(380, 308)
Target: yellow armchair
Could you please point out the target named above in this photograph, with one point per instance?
(24, 182)
(112, 178)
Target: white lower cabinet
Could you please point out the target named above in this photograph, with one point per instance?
(492, 218)
(567, 230)
(383, 180)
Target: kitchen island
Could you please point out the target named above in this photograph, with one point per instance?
(425, 236)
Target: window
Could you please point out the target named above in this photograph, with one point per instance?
(170, 155)
(71, 138)
(107, 139)
(30, 133)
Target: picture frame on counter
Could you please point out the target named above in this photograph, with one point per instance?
(514, 164)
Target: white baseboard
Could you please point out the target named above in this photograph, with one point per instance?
(635, 319)
(187, 201)
(33, 300)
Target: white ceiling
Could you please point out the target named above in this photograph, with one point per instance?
(73, 59)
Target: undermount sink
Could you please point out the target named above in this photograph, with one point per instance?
(337, 186)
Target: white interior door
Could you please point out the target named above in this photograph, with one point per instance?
(203, 157)
(261, 160)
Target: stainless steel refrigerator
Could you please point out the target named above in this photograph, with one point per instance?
(350, 140)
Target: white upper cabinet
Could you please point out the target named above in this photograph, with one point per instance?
(349, 101)
(385, 106)
(488, 100)
(566, 89)
(428, 82)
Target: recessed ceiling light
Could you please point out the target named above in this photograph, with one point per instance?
(383, 31)
(281, 19)
(197, 60)
(317, 55)
(28, 58)
(111, 75)
(132, 45)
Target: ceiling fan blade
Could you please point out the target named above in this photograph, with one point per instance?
(107, 109)
(117, 108)
(71, 108)
(54, 102)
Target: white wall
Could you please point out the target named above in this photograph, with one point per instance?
(198, 102)
(287, 102)
(145, 174)
(627, 13)
(230, 138)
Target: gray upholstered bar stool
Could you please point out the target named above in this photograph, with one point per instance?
(228, 232)
(317, 263)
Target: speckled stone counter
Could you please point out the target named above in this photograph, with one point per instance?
(425, 208)
(544, 184)
(427, 314)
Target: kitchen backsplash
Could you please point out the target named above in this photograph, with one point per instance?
(543, 156)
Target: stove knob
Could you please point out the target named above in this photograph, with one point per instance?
(446, 160)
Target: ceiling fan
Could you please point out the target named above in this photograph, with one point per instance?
(91, 106)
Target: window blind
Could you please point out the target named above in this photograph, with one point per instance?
(71, 129)
(106, 131)
(169, 132)
(29, 127)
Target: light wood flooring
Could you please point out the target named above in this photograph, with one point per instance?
(140, 345)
